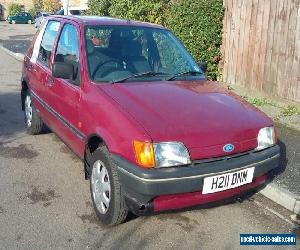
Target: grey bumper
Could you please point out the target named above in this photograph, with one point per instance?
(144, 184)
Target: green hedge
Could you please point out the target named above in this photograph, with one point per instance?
(198, 23)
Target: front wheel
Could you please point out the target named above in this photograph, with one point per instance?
(29, 22)
(106, 189)
(33, 122)
(13, 22)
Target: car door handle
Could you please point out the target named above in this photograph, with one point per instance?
(50, 81)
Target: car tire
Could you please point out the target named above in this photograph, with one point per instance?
(29, 22)
(106, 190)
(13, 22)
(33, 121)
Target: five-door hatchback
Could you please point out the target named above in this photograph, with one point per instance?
(153, 133)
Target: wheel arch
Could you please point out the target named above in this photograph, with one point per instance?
(24, 89)
(92, 142)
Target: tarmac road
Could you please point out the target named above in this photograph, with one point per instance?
(16, 37)
(45, 201)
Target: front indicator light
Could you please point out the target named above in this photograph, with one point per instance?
(144, 154)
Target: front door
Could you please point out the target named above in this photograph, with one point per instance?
(66, 94)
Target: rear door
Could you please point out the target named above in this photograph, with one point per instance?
(40, 72)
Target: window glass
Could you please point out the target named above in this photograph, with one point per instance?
(172, 58)
(48, 41)
(99, 37)
(116, 52)
(68, 50)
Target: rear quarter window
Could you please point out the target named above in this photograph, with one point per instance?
(48, 42)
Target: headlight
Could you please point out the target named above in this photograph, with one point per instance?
(171, 154)
(165, 154)
(266, 138)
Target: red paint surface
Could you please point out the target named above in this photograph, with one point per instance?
(177, 201)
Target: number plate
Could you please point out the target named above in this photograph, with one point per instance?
(226, 181)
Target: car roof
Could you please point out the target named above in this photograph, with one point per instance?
(98, 20)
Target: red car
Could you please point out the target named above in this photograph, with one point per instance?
(133, 104)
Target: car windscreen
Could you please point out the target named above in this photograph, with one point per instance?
(136, 53)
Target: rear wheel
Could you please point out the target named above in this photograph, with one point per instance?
(33, 122)
(106, 190)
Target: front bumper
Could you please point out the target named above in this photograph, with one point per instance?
(146, 189)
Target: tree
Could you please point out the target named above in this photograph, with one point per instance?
(38, 4)
(51, 5)
(99, 7)
(14, 8)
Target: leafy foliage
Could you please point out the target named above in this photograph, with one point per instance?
(258, 101)
(290, 110)
(99, 7)
(143, 10)
(14, 8)
(51, 5)
(197, 23)
(32, 12)
(38, 4)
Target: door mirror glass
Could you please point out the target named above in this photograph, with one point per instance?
(62, 70)
(203, 66)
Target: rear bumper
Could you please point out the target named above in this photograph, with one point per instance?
(177, 187)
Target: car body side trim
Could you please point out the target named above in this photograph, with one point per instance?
(73, 129)
(195, 176)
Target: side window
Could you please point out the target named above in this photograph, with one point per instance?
(47, 42)
(68, 50)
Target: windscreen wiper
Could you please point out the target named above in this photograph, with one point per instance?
(148, 73)
(189, 72)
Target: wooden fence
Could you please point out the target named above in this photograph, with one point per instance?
(261, 46)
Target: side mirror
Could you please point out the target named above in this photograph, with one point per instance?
(62, 70)
(203, 66)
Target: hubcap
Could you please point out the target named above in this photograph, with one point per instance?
(100, 186)
(28, 110)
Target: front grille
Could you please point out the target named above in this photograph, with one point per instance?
(222, 158)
